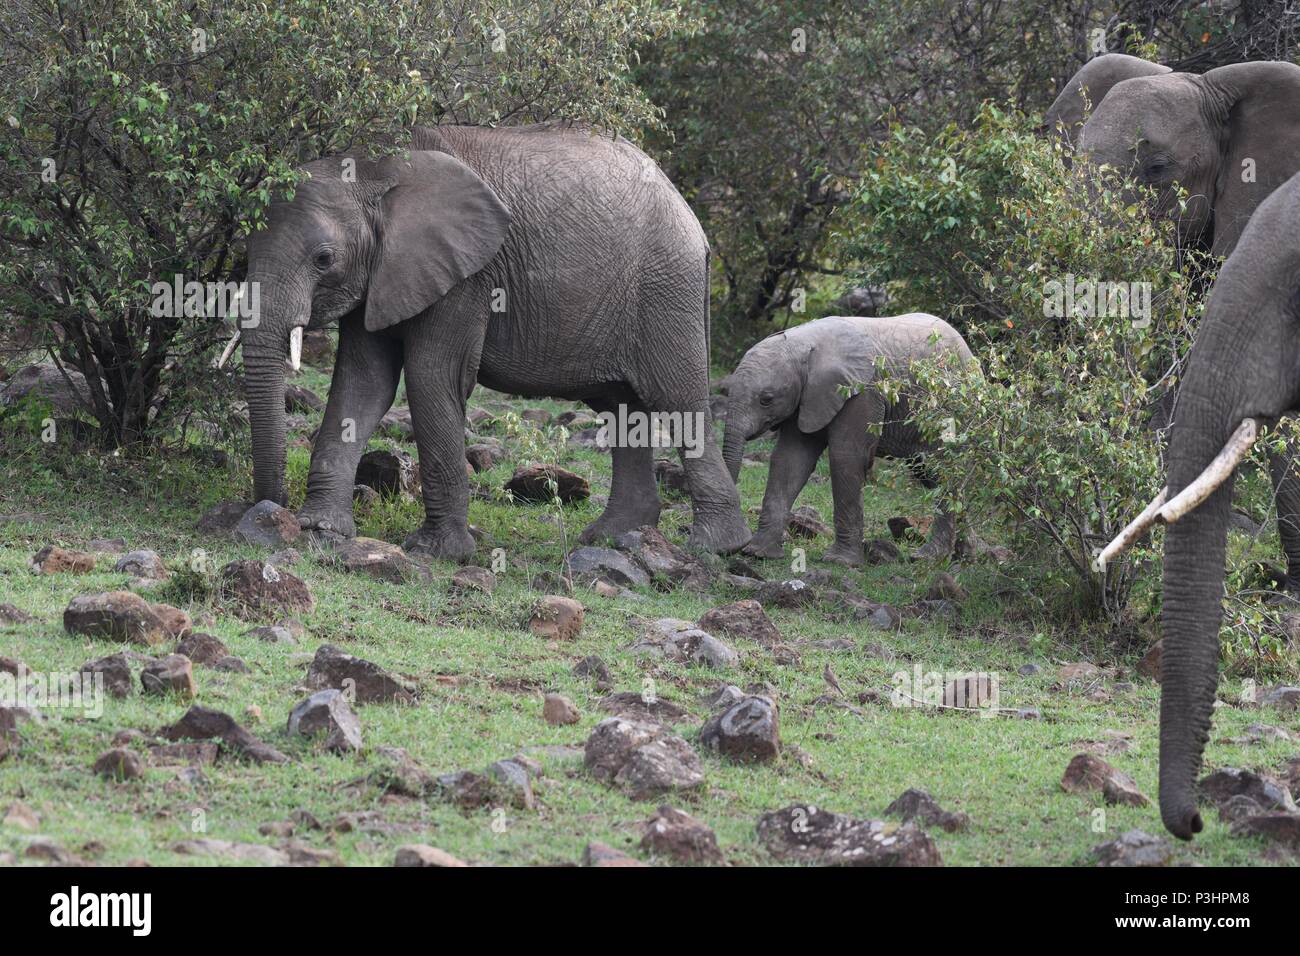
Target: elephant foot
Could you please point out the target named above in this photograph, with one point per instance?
(846, 555)
(332, 521)
(618, 521)
(764, 547)
(451, 544)
(725, 534)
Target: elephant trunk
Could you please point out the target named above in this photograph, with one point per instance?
(1193, 599)
(266, 345)
(733, 446)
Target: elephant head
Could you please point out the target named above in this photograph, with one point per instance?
(1228, 137)
(1088, 87)
(794, 373)
(392, 237)
(1243, 372)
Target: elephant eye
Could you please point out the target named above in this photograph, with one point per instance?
(323, 259)
(766, 398)
(1155, 169)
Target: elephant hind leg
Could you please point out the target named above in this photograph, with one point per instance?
(943, 529)
(633, 494)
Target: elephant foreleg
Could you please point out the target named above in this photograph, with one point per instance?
(943, 529)
(1286, 487)
(366, 372)
(793, 462)
(852, 444)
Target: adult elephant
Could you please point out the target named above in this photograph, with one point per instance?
(1243, 372)
(1229, 137)
(795, 381)
(538, 260)
(1088, 87)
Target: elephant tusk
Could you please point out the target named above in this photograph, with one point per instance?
(295, 348)
(229, 350)
(1215, 473)
(1132, 531)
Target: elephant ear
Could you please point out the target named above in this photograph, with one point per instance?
(839, 354)
(438, 224)
(1262, 136)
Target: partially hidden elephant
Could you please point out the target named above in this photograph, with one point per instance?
(791, 381)
(1088, 87)
(1243, 373)
(1229, 137)
(541, 261)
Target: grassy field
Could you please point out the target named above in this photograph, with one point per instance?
(482, 675)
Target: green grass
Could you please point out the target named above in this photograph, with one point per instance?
(482, 674)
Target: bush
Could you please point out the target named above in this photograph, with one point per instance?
(143, 139)
(987, 228)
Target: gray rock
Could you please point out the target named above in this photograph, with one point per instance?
(810, 835)
(681, 641)
(1134, 848)
(587, 563)
(747, 729)
(142, 564)
(643, 760)
(327, 712)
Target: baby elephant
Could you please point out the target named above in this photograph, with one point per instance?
(791, 381)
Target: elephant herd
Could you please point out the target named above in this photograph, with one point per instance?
(547, 261)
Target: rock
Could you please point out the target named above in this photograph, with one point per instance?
(745, 619)
(300, 399)
(1149, 666)
(21, 817)
(365, 681)
(537, 416)
(482, 456)
(1280, 827)
(600, 854)
(391, 473)
(223, 517)
(472, 578)
(65, 389)
(557, 618)
(1088, 772)
(175, 621)
(260, 588)
(52, 559)
(1282, 697)
(793, 593)
(679, 836)
(662, 559)
(327, 712)
(1029, 670)
(233, 852)
(173, 674)
(397, 772)
(533, 484)
(681, 642)
(466, 789)
(267, 525)
(746, 730)
(510, 781)
(575, 419)
(807, 834)
(13, 615)
(142, 564)
(106, 545)
(671, 478)
(1259, 734)
(643, 760)
(587, 563)
(944, 587)
(419, 854)
(115, 669)
(910, 529)
(52, 853)
(1134, 848)
(120, 765)
(478, 416)
(231, 665)
(365, 496)
(915, 804)
(272, 634)
(880, 551)
(559, 710)
(379, 560)
(596, 669)
(642, 707)
(115, 615)
(1267, 791)
(202, 753)
(806, 522)
(204, 723)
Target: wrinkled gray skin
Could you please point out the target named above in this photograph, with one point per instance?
(790, 381)
(602, 270)
(1197, 131)
(1088, 87)
(1245, 363)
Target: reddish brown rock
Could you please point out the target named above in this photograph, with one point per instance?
(1088, 772)
(117, 616)
(119, 764)
(204, 723)
(745, 619)
(260, 588)
(173, 674)
(558, 709)
(679, 836)
(534, 484)
(1149, 666)
(557, 618)
(55, 560)
(362, 680)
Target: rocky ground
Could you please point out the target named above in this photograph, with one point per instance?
(273, 698)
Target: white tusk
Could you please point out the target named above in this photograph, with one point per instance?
(1215, 473)
(1132, 531)
(295, 348)
(229, 349)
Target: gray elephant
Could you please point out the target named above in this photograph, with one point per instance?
(539, 260)
(1229, 137)
(1243, 373)
(1088, 87)
(792, 382)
